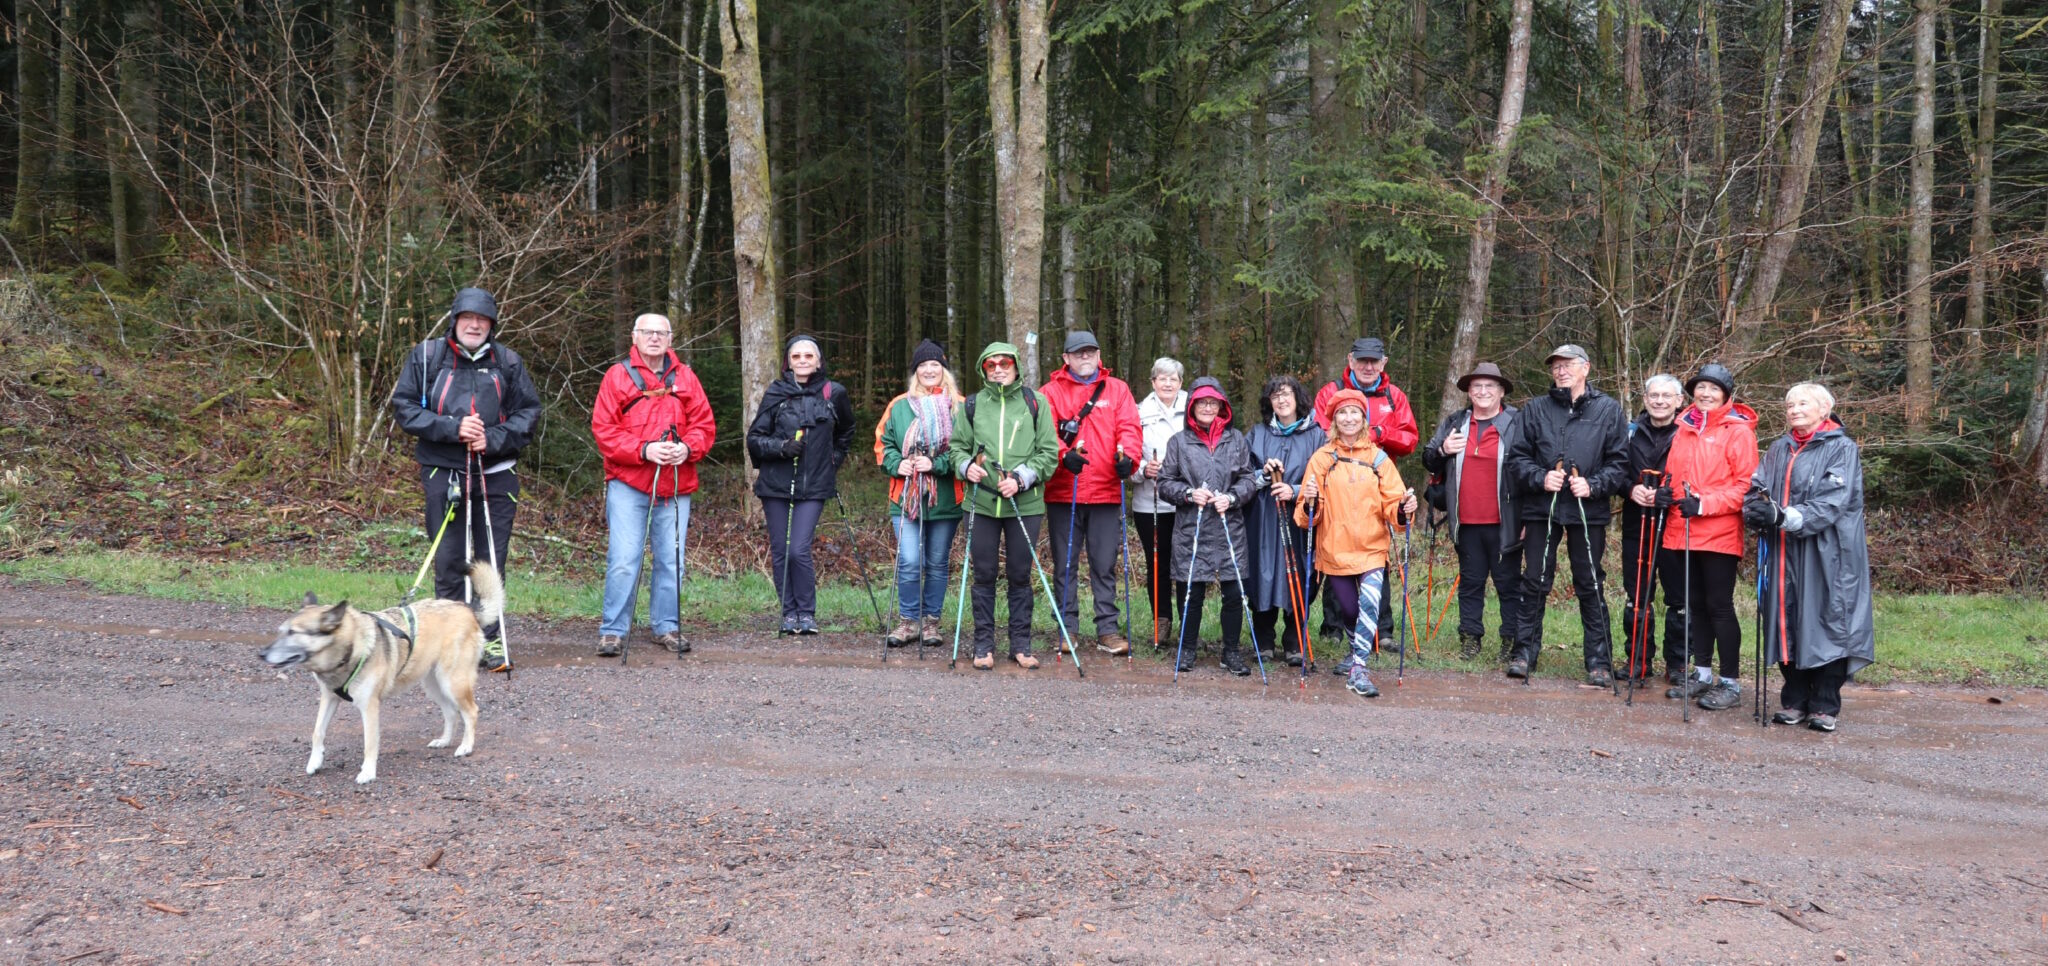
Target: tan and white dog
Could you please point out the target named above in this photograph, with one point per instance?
(364, 657)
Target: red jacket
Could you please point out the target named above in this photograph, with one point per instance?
(625, 419)
(1388, 417)
(1113, 423)
(1716, 453)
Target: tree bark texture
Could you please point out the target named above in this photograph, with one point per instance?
(1017, 107)
(753, 202)
(1981, 168)
(1920, 236)
(34, 33)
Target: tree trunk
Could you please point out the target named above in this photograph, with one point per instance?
(1017, 106)
(1920, 239)
(33, 33)
(1331, 121)
(1980, 202)
(753, 203)
(1782, 232)
(2034, 440)
(132, 194)
(69, 37)
(1479, 259)
(912, 243)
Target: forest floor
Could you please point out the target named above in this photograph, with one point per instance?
(796, 800)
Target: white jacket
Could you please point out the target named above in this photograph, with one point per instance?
(1158, 423)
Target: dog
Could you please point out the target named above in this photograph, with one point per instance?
(364, 657)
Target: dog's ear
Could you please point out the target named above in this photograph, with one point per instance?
(330, 619)
(310, 600)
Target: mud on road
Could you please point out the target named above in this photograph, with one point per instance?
(797, 800)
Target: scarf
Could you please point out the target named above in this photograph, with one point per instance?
(1351, 380)
(1210, 436)
(1287, 429)
(930, 430)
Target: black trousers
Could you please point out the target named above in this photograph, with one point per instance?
(790, 529)
(1482, 555)
(499, 491)
(1013, 535)
(1640, 591)
(1155, 532)
(1584, 545)
(1232, 616)
(1814, 690)
(1098, 530)
(1711, 607)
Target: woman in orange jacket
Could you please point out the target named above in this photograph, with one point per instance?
(1707, 473)
(1353, 499)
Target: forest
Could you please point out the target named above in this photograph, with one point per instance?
(1843, 190)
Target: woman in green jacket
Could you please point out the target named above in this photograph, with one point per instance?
(1004, 448)
(913, 445)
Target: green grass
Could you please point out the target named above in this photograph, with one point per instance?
(1980, 640)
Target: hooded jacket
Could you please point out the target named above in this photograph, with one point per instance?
(1220, 460)
(1112, 426)
(1716, 454)
(441, 383)
(1270, 532)
(1008, 437)
(1357, 509)
(1816, 571)
(1157, 422)
(1590, 432)
(1389, 420)
(1452, 468)
(821, 410)
(626, 418)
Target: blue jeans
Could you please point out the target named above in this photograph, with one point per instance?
(625, 514)
(929, 560)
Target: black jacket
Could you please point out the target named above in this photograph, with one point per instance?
(1452, 469)
(822, 410)
(1648, 446)
(440, 384)
(1590, 433)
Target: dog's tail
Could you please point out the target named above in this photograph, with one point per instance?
(489, 591)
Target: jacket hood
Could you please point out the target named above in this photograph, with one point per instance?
(1208, 388)
(999, 349)
(1737, 411)
(473, 300)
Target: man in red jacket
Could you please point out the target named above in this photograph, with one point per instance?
(651, 421)
(1388, 419)
(1096, 420)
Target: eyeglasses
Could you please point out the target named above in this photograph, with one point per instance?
(652, 333)
(1000, 364)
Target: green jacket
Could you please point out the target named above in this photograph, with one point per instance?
(896, 425)
(1004, 430)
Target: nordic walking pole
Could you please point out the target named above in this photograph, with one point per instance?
(468, 521)
(1684, 699)
(646, 540)
(1073, 512)
(1238, 572)
(1407, 544)
(1194, 547)
(491, 540)
(1123, 547)
(966, 564)
(1549, 524)
(1593, 567)
(1308, 653)
(1152, 565)
(1646, 551)
(1763, 556)
(923, 511)
(796, 463)
(881, 626)
(1287, 560)
(675, 516)
(1058, 617)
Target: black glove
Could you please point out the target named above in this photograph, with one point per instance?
(1759, 511)
(1401, 515)
(1663, 498)
(1074, 462)
(1689, 507)
(792, 448)
(1125, 466)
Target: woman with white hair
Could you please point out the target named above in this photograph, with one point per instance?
(1806, 503)
(1161, 416)
(800, 434)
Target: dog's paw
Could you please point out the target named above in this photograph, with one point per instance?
(463, 752)
(313, 763)
(366, 776)
(438, 743)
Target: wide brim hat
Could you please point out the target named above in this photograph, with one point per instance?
(1486, 370)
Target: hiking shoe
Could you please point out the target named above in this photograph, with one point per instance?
(904, 633)
(1293, 658)
(673, 642)
(1690, 689)
(1468, 647)
(1343, 666)
(1113, 644)
(933, 637)
(984, 662)
(608, 645)
(1518, 668)
(1722, 696)
(1507, 649)
(1234, 662)
(491, 657)
(1025, 661)
(1361, 684)
(1186, 662)
(788, 626)
(1822, 722)
(1788, 716)
(1600, 678)
(807, 626)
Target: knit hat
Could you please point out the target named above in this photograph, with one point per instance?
(927, 351)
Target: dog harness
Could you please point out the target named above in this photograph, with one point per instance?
(412, 625)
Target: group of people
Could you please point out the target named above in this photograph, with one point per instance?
(1306, 502)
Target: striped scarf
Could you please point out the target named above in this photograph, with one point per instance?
(930, 431)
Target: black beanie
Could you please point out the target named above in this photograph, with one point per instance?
(927, 351)
(1717, 374)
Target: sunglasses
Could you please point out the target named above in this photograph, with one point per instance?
(1000, 364)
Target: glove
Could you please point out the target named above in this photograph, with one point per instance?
(1401, 515)
(1689, 507)
(1760, 512)
(792, 448)
(1073, 462)
(1125, 465)
(1663, 498)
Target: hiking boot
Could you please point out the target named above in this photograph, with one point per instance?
(1233, 661)
(807, 626)
(491, 657)
(984, 662)
(1507, 649)
(1468, 647)
(788, 626)
(1186, 662)
(1113, 644)
(1600, 677)
(672, 642)
(1822, 722)
(1343, 666)
(931, 634)
(1293, 658)
(1025, 661)
(904, 633)
(608, 645)
(1360, 683)
(1721, 696)
(1690, 689)
(1518, 668)
(1788, 716)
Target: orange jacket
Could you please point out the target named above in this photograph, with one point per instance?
(1715, 453)
(1357, 509)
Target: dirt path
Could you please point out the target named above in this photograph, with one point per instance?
(786, 801)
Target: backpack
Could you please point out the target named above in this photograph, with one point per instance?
(668, 383)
